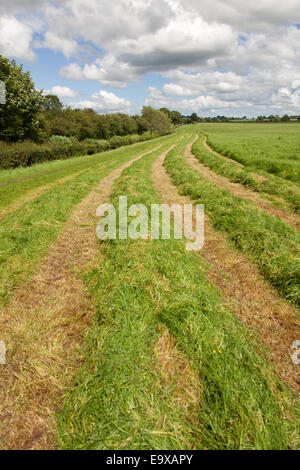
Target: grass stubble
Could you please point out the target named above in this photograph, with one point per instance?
(44, 323)
(147, 293)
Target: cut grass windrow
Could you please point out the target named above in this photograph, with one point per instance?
(271, 243)
(121, 399)
(255, 302)
(16, 183)
(31, 195)
(243, 192)
(267, 148)
(270, 185)
(26, 235)
(43, 326)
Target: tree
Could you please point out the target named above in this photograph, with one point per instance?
(167, 112)
(156, 121)
(176, 118)
(52, 104)
(273, 118)
(194, 117)
(141, 124)
(19, 115)
(285, 118)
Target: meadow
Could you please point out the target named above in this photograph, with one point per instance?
(272, 148)
(139, 344)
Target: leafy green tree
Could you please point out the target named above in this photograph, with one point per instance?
(167, 112)
(141, 124)
(157, 121)
(194, 117)
(19, 115)
(285, 118)
(176, 118)
(52, 104)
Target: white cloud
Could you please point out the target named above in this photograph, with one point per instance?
(67, 46)
(106, 71)
(216, 52)
(15, 5)
(15, 38)
(203, 104)
(62, 92)
(177, 90)
(105, 102)
(250, 15)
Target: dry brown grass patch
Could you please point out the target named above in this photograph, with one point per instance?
(177, 374)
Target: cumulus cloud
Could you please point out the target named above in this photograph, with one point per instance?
(213, 53)
(15, 38)
(202, 104)
(105, 102)
(107, 71)
(250, 16)
(67, 46)
(62, 92)
(16, 5)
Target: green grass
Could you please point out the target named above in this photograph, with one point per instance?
(16, 183)
(26, 235)
(269, 242)
(117, 402)
(272, 148)
(272, 186)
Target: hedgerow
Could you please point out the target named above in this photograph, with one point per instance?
(60, 147)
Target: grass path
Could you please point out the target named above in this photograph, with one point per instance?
(210, 149)
(150, 295)
(243, 289)
(31, 195)
(43, 326)
(27, 233)
(138, 344)
(281, 192)
(242, 192)
(268, 241)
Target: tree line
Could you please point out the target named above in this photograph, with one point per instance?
(30, 115)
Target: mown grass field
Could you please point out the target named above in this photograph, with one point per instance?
(271, 148)
(164, 362)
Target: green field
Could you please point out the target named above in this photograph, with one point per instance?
(271, 148)
(164, 362)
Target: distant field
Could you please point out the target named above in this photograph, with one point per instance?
(270, 147)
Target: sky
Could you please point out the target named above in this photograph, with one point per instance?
(212, 57)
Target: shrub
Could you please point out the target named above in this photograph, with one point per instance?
(62, 139)
(60, 147)
(96, 146)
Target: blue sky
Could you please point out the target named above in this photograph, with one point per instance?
(206, 56)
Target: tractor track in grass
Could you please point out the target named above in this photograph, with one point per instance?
(219, 154)
(241, 191)
(243, 289)
(35, 193)
(36, 175)
(43, 327)
(258, 178)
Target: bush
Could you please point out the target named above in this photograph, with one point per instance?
(96, 146)
(62, 139)
(28, 153)
(118, 141)
(60, 147)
